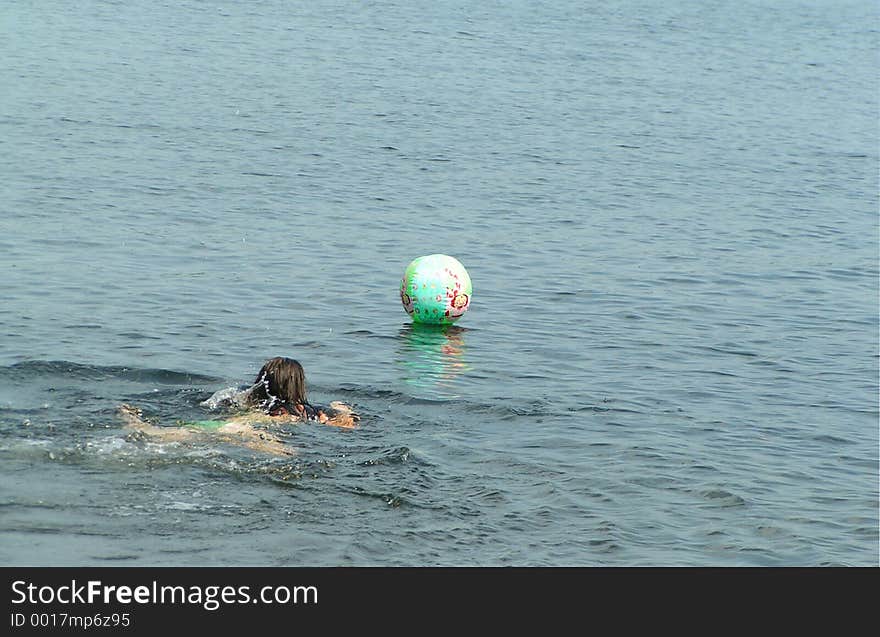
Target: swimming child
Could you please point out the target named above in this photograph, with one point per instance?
(280, 390)
(278, 396)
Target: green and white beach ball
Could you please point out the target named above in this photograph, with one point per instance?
(435, 289)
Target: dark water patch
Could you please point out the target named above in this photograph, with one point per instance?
(184, 551)
(838, 406)
(174, 402)
(50, 529)
(722, 497)
(840, 273)
(487, 496)
(728, 350)
(683, 280)
(833, 440)
(386, 397)
(370, 334)
(370, 393)
(715, 372)
(17, 504)
(391, 500)
(603, 408)
(139, 336)
(511, 410)
(286, 479)
(77, 371)
(391, 456)
(20, 415)
(251, 131)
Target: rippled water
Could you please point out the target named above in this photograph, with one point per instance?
(668, 211)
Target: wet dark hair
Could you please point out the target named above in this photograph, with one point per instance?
(281, 382)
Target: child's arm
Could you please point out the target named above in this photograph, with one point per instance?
(340, 415)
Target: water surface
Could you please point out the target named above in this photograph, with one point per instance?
(668, 211)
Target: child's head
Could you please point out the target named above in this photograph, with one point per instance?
(281, 381)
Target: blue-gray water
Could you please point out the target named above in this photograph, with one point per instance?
(668, 211)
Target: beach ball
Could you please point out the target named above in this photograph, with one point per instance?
(435, 289)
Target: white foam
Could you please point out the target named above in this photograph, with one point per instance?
(228, 397)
